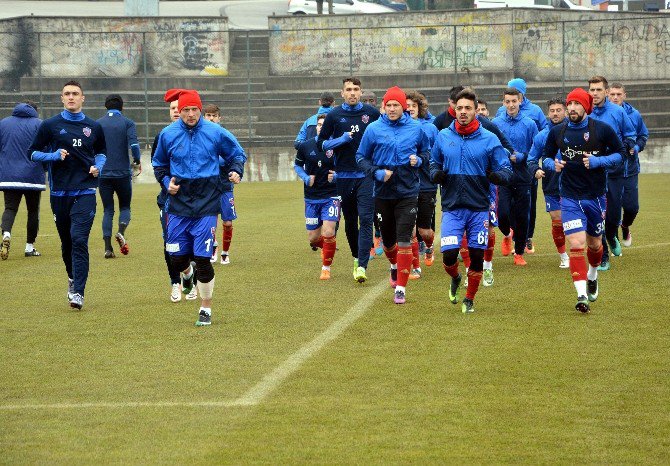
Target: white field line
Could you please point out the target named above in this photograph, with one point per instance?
(258, 392)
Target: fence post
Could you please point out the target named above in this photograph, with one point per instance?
(249, 88)
(455, 54)
(351, 52)
(39, 70)
(563, 57)
(146, 87)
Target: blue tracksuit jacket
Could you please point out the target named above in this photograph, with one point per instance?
(17, 170)
(388, 145)
(424, 170)
(616, 117)
(308, 128)
(642, 136)
(191, 155)
(520, 131)
(466, 160)
(550, 181)
(120, 135)
(530, 110)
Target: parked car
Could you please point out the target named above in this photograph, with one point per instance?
(340, 7)
(565, 4)
(398, 5)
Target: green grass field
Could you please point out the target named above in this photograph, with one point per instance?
(526, 379)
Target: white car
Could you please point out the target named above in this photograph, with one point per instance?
(340, 7)
(565, 4)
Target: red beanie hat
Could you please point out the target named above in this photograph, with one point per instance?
(397, 94)
(186, 98)
(582, 97)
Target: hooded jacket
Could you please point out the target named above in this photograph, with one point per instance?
(530, 110)
(308, 128)
(17, 169)
(616, 117)
(520, 131)
(550, 181)
(641, 138)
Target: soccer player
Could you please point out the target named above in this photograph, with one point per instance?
(342, 131)
(120, 134)
(78, 145)
(161, 201)
(630, 199)
(514, 201)
(228, 213)
(482, 108)
(464, 158)
(186, 162)
(315, 168)
(588, 148)
(308, 128)
(417, 107)
(552, 196)
(616, 117)
(392, 150)
(19, 175)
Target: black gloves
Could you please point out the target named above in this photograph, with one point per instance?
(440, 177)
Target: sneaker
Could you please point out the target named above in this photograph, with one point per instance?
(359, 275)
(592, 289)
(203, 319)
(225, 259)
(123, 246)
(314, 248)
(4, 249)
(215, 254)
(325, 274)
(565, 263)
(519, 260)
(187, 284)
(76, 301)
(468, 306)
(193, 294)
(453, 289)
(109, 254)
(393, 278)
(583, 305)
(530, 248)
(175, 294)
(429, 258)
(70, 289)
(615, 246)
(604, 265)
(32, 253)
(488, 277)
(627, 238)
(507, 244)
(355, 267)
(415, 274)
(399, 297)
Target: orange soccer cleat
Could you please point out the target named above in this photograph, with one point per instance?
(519, 260)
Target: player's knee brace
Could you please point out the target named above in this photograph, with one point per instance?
(180, 263)
(477, 260)
(449, 257)
(205, 269)
(206, 290)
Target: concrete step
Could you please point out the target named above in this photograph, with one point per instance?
(241, 52)
(119, 85)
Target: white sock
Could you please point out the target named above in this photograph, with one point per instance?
(394, 266)
(224, 253)
(580, 286)
(488, 265)
(400, 288)
(592, 274)
(564, 256)
(29, 247)
(6, 235)
(325, 267)
(207, 310)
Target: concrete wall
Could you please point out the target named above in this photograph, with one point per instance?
(115, 46)
(534, 44)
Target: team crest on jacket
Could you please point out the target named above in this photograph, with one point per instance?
(87, 131)
(329, 153)
(586, 136)
(365, 118)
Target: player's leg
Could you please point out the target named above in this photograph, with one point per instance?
(477, 228)
(345, 189)
(530, 247)
(228, 214)
(330, 215)
(33, 223)
(487, 277)
(594, 210)
(366, 212)
(386, 220)
(451, 232)
(202, 232)
(574, 225)
(504, 218)
(405, 222)
(106, 190)
(124, 192)
(553, 207)
(82, 215)
(173, 273)
(425, 221)
(631, 207)
(12, 201)
(313, 223)
(521, 214)
(60, 206)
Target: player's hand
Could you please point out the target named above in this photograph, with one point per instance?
(234, 177)
(331, 176)
(539, 174)
(174, 187)
(558, 165)
(413, 160)
(63, 154)
(512, 157)
(585, 160)
(94, 171)
(312, 178)
(632, 151)
(387, 175)
(137, 169)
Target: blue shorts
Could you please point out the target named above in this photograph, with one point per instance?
(456, 222)
(228, 213)
(583, 215)
(190, 235)
(552, 202)
(320, 210)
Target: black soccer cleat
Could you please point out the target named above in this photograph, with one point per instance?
(592, 289)
(583, 305)
(453, 288)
